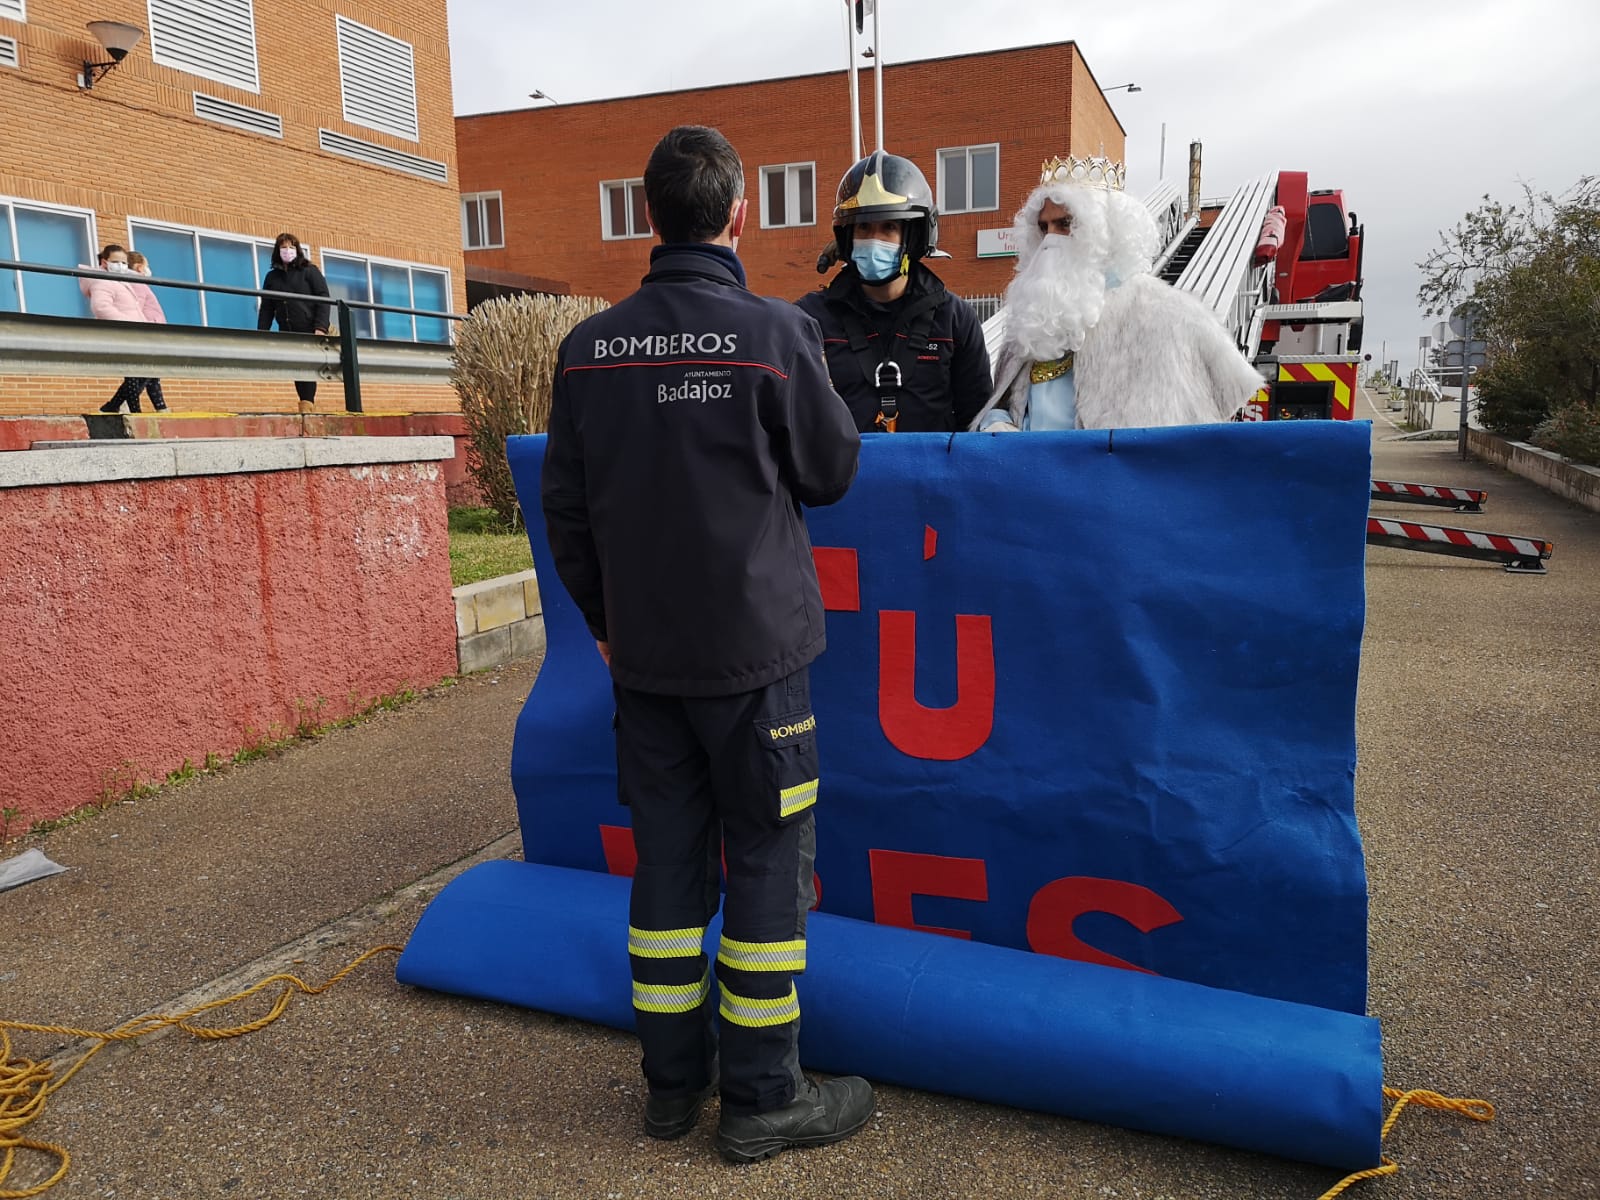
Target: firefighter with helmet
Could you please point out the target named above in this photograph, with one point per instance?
(906, 354)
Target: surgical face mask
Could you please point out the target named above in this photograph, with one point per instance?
(116, 266)
(876, 261)
(288, 253)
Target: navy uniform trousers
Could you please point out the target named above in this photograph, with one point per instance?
(735, 774)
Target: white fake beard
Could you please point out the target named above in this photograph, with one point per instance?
(1055, 300)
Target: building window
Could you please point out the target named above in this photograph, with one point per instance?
(969, 179)
(480, 221)
(203, 256)
(622, 212)
(788, 195)
(404, 285)
(378, 79)
(54, 236)
(212, 38)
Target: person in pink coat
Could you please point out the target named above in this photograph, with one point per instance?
(114, 299)
(140, 265)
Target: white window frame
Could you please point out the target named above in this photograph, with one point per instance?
(411, 131)
(12, 203)
(17, 10)
(195, 233)
(791, 193)
(373, 259)
(946, 208)
(481, 199)
(606, 232)
(158, 56)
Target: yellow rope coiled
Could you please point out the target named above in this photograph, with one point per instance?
(1478, 1110)
(25, 1085)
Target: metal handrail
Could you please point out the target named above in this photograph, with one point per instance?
(59, 345)
(222, 288)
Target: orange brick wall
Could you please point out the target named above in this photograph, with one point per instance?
(132, 147)
(548, 162)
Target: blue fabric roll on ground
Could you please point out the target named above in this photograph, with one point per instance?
(946, 1015)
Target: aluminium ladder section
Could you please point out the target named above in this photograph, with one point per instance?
(1222, 275)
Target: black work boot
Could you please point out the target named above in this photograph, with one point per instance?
(819, 1114)
(672, 1118)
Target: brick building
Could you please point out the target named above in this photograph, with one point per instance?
(226, 124)
(556, 192)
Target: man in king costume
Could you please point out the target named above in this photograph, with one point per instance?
(1093, 339)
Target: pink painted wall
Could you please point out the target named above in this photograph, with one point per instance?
(148, 621)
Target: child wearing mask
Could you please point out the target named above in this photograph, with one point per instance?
(120, 299)
(140, 265)
(294, 272)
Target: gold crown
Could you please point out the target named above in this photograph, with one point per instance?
(1095, 172)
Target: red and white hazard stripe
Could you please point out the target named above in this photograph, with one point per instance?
(1430, 491)
(1505, 543)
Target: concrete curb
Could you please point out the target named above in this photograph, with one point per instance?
(498, 620)
(1549, 470)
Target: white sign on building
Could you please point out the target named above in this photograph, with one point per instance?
(997, 243)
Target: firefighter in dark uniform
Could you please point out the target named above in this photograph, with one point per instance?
(689, 425)
(906, 354)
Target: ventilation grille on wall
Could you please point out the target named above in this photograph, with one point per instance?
(240, 116)
(382, 156)
(214, 38)
(17, 10)
(377, 75)
(8, 52)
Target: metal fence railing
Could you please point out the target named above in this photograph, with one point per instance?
(31, 344)
(985, 306)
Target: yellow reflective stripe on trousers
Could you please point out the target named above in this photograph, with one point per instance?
(755, 1014)
(762, 956)
(665, 943)
(792, 799)
(671, 997)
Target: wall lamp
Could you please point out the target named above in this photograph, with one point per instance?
(117, 39)
(1124, 87)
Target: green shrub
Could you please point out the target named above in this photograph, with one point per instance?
(1511, 400)
(1572, 431)
(505, 355)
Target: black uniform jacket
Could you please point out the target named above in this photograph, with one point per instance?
(945, 380)
(689, 423)
(295, 316)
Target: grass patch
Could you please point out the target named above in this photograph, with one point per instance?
(481, 547)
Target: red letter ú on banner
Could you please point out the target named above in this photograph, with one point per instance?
(939, 734)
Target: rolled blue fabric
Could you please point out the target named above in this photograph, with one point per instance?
(947, 1015)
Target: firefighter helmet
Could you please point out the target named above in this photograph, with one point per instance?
(886, 187)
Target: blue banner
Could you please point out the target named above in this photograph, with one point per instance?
(1090, 694)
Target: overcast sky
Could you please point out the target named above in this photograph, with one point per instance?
(1415, 108)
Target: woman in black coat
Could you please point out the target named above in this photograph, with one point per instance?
(294, 272)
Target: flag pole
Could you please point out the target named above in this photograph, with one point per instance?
(877, 67)
(855, 87)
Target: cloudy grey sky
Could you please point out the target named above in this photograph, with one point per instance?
(1415, 107)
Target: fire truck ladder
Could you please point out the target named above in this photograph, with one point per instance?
(1223, 275)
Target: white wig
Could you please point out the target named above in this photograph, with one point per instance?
(1052, 305)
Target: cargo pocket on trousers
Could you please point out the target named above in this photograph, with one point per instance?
(789, 750)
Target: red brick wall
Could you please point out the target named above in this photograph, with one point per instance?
(155, 620)
(548, 162)
(132, 146)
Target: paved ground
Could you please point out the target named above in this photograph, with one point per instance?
(1479, 798)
